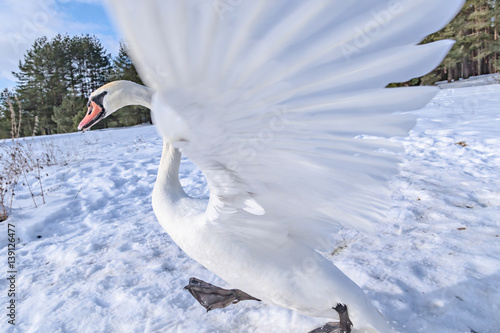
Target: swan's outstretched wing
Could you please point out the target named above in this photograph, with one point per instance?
(282, 103)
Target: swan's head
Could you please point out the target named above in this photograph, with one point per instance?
(110, 98)
(97, 108)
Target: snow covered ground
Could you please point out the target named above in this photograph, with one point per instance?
(473, 81)
(94, 259)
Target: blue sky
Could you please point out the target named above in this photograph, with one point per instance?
(21, 22)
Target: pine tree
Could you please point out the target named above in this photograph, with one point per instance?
(63, 114)
(34, 82)
(5, 115)
(479, 23)
(477, 48)
(495, 5)
(124, 69)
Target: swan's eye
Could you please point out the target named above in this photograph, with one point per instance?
(89, 105)
(99, 99)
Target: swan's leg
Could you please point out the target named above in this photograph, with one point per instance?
(344, 326)
(212, 297)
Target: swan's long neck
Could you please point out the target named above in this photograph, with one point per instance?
(167, 183)
(168, 190)
(128, 93)
(167, 187)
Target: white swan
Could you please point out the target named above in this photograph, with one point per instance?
(282, 105)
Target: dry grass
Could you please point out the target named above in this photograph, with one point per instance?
(19, 157)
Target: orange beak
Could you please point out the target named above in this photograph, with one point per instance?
(93, 115)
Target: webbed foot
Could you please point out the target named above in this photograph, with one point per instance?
(212, 297)
(343, 326)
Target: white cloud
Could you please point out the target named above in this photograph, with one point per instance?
(21, 22)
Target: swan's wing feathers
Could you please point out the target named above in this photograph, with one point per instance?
(282, 103)
(296, 171)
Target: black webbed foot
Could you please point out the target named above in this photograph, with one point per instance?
(212, 297)
(343, 326)
(345, 322)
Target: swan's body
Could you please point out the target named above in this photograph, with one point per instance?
(263, 100)
(299, 278)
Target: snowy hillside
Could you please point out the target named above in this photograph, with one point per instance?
(94, 258)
